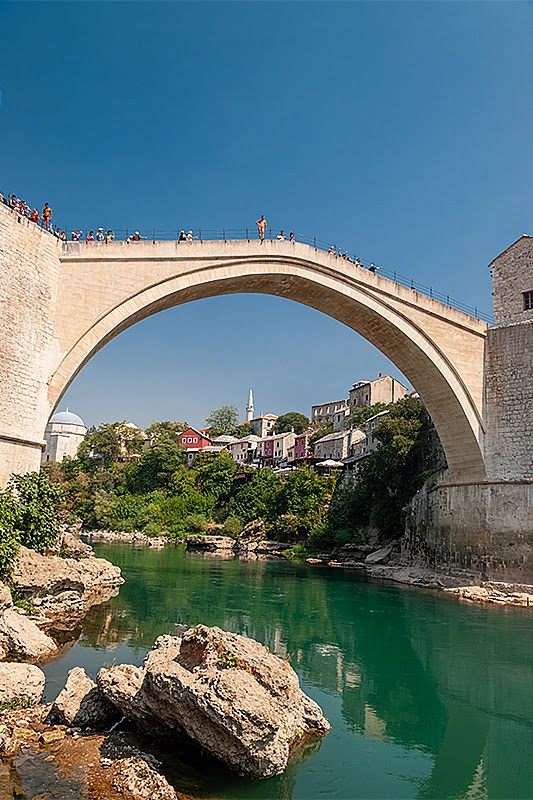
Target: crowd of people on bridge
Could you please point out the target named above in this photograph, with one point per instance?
(44, 219)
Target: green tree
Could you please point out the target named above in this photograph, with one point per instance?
(111, 441)
(171, 429)
(222, 421)
(305, 495)
(9, 540)
(258, 498)
(214, 475)
(160, 461)
(292, 420)
(360, 416)
(243, 430)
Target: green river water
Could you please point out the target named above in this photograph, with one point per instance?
(427, 697)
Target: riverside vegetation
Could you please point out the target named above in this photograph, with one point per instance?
(117, 484)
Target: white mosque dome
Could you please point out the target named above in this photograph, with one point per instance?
(67, 418)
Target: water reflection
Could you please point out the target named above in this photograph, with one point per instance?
(428, 698)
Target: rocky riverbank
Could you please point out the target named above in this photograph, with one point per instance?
(49, 595)
(380, 563)
(223, 692)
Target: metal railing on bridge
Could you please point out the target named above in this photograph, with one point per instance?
(250, 234)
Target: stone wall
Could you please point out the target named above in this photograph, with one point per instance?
(482, 530)
(29, 270)
(509, 402)
(512, 274)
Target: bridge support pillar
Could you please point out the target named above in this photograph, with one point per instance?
(29, 275)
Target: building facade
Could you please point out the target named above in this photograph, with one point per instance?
(63, 435)
(384, 389)
(334, 446)
(263, 425)
(243, 451)
(336, 412)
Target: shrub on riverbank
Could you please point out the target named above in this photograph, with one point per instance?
(29, 515)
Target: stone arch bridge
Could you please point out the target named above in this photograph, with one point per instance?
(61, 303)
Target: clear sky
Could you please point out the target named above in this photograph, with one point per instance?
(401, 131)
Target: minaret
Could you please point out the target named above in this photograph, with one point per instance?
(250, 407)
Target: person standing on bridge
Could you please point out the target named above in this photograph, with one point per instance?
(46, 216)
(261, 228)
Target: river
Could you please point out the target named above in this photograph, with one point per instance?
(427, 697)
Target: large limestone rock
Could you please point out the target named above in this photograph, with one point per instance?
(231, 694)
(19, 634)
(251, 536)
(137, 777)
(80, 703)
(20, 680)
(62, 589)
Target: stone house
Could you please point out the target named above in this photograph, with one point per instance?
(263, 424)
(334, 445)
(384, 389)
(336, 412)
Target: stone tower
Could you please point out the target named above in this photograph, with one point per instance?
(250, 407)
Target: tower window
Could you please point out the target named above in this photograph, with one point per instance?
(528, 300)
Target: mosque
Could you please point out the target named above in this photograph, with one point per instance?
(63, 435)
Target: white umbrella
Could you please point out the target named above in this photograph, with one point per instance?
(330, 463)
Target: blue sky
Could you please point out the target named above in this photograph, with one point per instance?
(401, 131)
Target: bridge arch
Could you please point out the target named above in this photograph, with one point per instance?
(105, 289)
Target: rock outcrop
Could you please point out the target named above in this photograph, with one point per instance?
(227, 692)
(80, 704)
(62, 589)
(138, 777)
(20, 680)
(19, 634)
(250, 536)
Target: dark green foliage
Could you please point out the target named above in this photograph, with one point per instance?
(305, 495)
(110, 442)
(167, 427)
(291, 421)
(360, 416)
(29, 515)
(258, 498)
(9, 541)
(160, 461)
(232, 527)
(37, 502)
(245, 429)
(214, 476)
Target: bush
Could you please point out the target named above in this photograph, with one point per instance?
(36, 506)
(196, 523)
(152, 529)
(232, 527)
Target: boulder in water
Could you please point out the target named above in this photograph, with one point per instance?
(228, 692)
